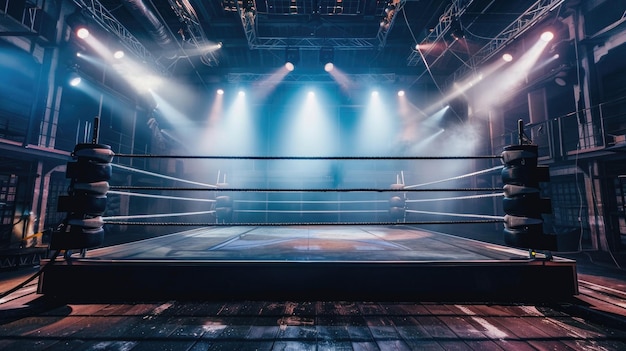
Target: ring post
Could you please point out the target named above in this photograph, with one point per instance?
(86, 200)
(522, 203)
(397, 203)
(223, 206)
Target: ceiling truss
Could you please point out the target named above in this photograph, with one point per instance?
(106, 20)
(524, 22)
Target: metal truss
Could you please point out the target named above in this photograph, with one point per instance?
(249, 22)
(269, 78)
(267, 43)
(197, 37)
(105, 19)
(524, 22)
(453, 12)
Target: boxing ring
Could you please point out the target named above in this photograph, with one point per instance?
(292, 243)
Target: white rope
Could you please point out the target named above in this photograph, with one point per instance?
(159, 196)
(163, 176)
(455, 178)
(115, 218)
(311, 201)
(330, 211)
(457, 198)
(457, 214)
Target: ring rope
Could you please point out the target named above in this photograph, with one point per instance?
(457, 177)
(364, 158)
(207, 224)
(162, 176)
(499, 218)
(311, 201)
(279, 190)
(311, 211)
(456, 198)
(106, 219)
(159, 196)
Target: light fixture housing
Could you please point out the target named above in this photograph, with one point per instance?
(74, 79)
(82, 33)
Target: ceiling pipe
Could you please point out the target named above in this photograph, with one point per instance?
(155, 27)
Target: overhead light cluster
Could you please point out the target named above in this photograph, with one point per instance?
(102, 54)
(326, 57)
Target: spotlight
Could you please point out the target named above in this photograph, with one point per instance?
(329, 67)
(241, 93)
(417, 46)
(311, 93)
(507, 57)
(565, 77)
(560, 80)
(75, 80)
(118, 54)
(220, 91)
(374, 93)
(289, 66)
(547, 36)
(219, 45)
(400, 92)
(82, 32)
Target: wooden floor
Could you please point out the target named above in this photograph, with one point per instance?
(283, 325)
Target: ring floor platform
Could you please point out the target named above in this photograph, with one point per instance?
(373, 263)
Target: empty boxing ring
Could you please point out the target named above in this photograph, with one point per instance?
(231, 257)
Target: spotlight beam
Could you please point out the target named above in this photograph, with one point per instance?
(523, 23)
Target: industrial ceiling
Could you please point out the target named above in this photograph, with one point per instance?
(362, 37)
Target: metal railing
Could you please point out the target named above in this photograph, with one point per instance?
(597, 128)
